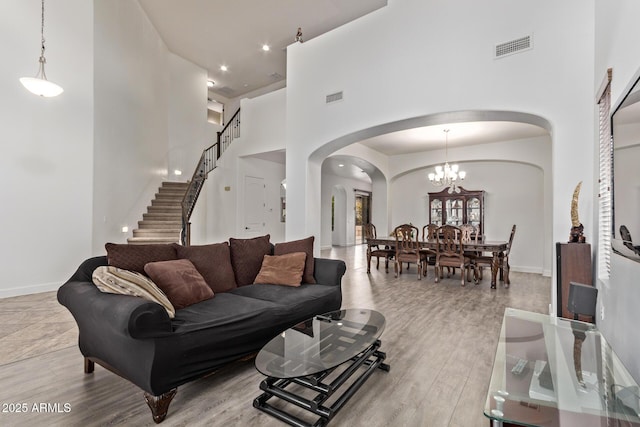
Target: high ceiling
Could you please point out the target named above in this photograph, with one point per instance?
(212, 33)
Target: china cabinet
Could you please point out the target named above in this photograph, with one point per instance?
(457, 208)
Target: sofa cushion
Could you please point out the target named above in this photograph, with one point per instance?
(299, 302)
(135, 257)
(282, 269)
(213, 262)
(114, 280)
(180, 281)
(246, 257)
(303, 245)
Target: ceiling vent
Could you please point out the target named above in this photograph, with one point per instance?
(334, 97)
(514, 46)
(226, 91)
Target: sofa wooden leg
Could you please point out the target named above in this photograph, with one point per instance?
(159, 405)
(89, 365)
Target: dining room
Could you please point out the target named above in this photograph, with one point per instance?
(512, 170)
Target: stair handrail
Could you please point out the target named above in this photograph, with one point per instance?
(207, 163)
(230, 132)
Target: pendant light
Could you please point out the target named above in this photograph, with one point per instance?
(39, 84)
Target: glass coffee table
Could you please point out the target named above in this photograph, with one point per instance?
(300, 362)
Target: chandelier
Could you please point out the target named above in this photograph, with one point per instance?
(39, 84)
(447, 174)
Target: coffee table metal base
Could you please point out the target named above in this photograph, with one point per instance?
(370, 359)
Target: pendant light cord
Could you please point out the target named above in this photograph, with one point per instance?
(446, 144)
(42, 59)
(42, 33)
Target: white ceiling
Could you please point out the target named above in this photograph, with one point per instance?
(460, 134)
(211, 33)
(428, 138)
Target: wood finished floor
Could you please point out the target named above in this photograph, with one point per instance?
(440, 341)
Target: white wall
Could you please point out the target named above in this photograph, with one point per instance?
(132, 81)
(150, 118)
(617, 39)
(187, 116)
(47, 152)
(272, 173)
(345, 220)
(189, 131)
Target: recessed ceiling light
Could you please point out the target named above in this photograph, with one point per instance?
(223, 68)
(210, 83)
(266, 47)
(340, 165)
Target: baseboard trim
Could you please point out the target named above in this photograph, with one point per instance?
(520, 269)
(31, 289)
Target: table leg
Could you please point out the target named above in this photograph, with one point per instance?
(505, 263)
(369, 259)
(494, 269)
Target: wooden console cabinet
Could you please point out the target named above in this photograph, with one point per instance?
(573, 265)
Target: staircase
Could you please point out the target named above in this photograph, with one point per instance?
(167, 219)
(163, 221)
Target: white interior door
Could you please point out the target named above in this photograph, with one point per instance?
(254, 205)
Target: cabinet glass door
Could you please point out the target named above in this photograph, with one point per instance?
(473, 211)
(436, 212)
(454, 212)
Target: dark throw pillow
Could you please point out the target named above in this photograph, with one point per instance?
(213, 262)
(135, 257)
(282, 269)
(303, 245)
(246, 257)
(180, 281)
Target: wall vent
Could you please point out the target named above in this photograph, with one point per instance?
(514, 46)
(334, 97)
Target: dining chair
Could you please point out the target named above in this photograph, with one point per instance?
(428, 234)
(450, 253)
(469, 234)
(408, 248)
(503, 261)
(376, 251)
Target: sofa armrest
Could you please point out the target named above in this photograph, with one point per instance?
(101, 314)
(329, 271)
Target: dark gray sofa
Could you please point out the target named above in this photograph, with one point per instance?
(136, 339)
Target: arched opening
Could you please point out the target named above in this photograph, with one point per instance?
(499, 163)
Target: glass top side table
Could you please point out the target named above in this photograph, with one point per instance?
(551, 371)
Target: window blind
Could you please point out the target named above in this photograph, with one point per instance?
(605, 180)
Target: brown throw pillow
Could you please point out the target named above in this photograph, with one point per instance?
(246, 257)
(303, 245)
(114, 280)
(213, 262)
(135, 257)
(180, 281)
(282, 269)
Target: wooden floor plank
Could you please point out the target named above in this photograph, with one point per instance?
(440, 340)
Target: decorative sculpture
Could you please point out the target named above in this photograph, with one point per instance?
(299, 35)
(576, 235)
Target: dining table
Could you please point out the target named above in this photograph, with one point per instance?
(495, 247)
